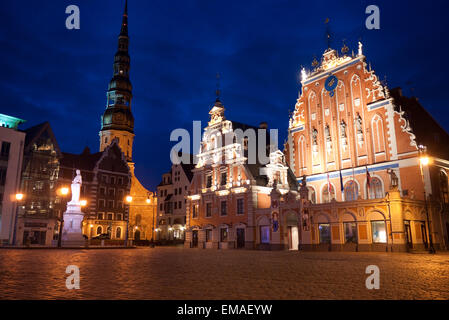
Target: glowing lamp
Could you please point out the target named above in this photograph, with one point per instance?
(424, 161)
(19, 196)
(83, 203)
(148, 200)
(129, 199)
(64, 191)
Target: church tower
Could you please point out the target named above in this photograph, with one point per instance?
(117, 120)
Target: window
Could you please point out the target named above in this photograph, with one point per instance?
(100, 215)
(208, 181)
(102, 191)
(99, 230)
(350, 232)
(104, 178)
(110, 203)
(325, 232)
(208, 235)
(179, 204)
(239, 206)
(194, 211)
(161, 207)
(120, 204)
(176, 191)
(223, 234)
(3, 176)
(111, 192)
(375, 190)
(176, 205)
(118, 233)
(444, 187)
(119, 216)
(5, 150)
(110, 216)
(101, 203)
(265, 234)
(224, 207)
(112, 180)
(351, 191)
(119, 181)
(379, 231)
(312, 195)
(208, 209)
(223, 180)
(325, 195)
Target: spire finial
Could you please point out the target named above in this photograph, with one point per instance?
(124, 30)
(217, 92)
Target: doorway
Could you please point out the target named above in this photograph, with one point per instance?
(195, 239)
(424, 235)
(408, 234)
(293, 239)
(240, 237)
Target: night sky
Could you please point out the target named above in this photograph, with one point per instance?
(53, 74)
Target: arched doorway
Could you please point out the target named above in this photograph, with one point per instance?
(137, 234)
(293, 232)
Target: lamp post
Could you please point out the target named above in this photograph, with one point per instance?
(18, 197)
(424, 161)
(128, 200)
(64, 191)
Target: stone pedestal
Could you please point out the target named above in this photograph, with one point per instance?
(72, 235)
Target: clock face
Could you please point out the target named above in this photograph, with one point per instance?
(331, 83)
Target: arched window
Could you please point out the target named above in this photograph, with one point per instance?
(378, 134)
(302, 153)
(375, 190)
(99, 230)
(312, 195)
(444, 187)
(109, 231)
(351, 191)
(328, 188)
(118, 233)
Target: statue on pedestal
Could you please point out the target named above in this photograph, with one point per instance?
(73, 217)
(394, 181)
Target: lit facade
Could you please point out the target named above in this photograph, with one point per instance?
(171, 195)
(11, 156)
(230, 197)
(355, 144)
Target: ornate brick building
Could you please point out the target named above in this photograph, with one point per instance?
(229, 202)
(358, 147)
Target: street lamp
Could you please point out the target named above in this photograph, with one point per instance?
(128, 199)
(424, 161)
(19, 197)
(64, 191)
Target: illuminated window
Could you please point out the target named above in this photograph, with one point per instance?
(325, 194)
(378, 230)
(194, 211)
(312, 195)
(118, 233)
(350, 232)
(351, 191)
(223, 234)
(375, 189)
(324, 232)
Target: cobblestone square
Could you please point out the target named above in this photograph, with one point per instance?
(177, 273)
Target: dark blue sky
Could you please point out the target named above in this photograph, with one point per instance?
(53, 74)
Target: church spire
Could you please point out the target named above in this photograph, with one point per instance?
(117, 120)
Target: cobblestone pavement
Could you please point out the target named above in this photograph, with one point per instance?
(176, 273)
